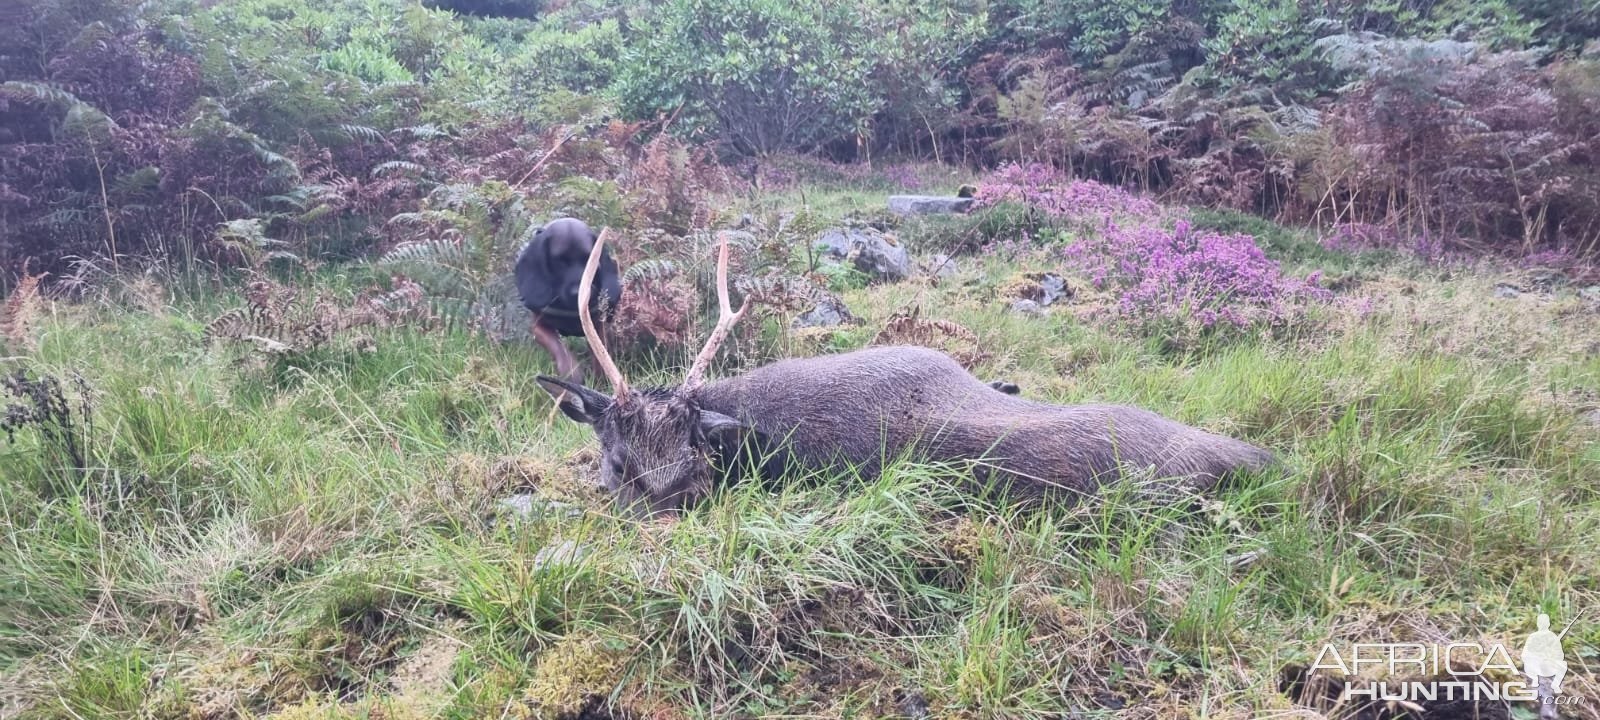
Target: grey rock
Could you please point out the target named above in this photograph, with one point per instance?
(1053, 287)
(835, 243)
(913, 705)
(828, 313)
(929, 204)
(871, 251)
(1546, 280)
(1506, 291)
(1592, 417)
(940, 266)
(565, 552)
(526, 506)
(519, 505)
(1028, 307)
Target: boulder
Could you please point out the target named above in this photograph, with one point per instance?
(1041, 289)
(929, 204)
(873, 252)
(835, 243)
(828, 313)
(1052, 287)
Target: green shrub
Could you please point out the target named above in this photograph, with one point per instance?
(584, 59)
(762, 75)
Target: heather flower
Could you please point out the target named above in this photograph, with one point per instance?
(1182, 274)
(1365, 237)
(1049, 191)
(904, 177)
(1157, 273)
(1559, 258)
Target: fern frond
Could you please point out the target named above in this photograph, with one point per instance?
(232, 324)
(423, 132)
(434, 252)
(361, 133)
(314, 214)
(143, 180)
(394, 166)
(19, 313)
(42, 93)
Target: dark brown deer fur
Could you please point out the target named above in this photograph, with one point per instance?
(664, 449)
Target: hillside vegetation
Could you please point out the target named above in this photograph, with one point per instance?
(221, 530)
(142, 128)
(273, 448)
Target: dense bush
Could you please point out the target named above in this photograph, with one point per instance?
(1181, 275)
(1049, 191)
(1445, 138)
(88, 119)
(765, 75)
(768, 75)
(147, 127)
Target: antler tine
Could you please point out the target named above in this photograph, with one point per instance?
(725, 320)
(619, 386)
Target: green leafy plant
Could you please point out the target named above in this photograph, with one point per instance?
(764, 75)
(461, 248)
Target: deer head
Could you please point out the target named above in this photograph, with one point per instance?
(656, 444)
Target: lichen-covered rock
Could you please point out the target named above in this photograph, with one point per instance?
(1052, 287)
(929, 204)
(872, 251)
(828, 313)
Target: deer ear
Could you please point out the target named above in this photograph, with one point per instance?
(576, 401)
(717, 426)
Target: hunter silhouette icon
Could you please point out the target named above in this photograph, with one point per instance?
(1542, 655)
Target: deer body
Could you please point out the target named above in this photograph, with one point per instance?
(860, 409)
(664, 449)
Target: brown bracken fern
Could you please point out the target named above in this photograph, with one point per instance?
(20, 313)
(282, 320)
(909, 328)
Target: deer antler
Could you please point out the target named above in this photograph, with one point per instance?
(725, 320)
(619, 386)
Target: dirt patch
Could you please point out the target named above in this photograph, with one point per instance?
(426, 670)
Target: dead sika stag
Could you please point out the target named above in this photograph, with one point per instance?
(663, 449)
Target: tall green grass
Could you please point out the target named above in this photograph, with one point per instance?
(320, 536)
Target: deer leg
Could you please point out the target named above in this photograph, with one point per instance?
(1006, 387)
(550, 340)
